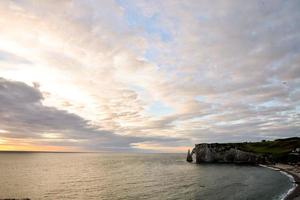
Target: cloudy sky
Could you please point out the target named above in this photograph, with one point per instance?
(122, 75)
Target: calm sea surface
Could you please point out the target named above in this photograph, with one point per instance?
(132, 176)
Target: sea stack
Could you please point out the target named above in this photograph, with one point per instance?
(189, 157)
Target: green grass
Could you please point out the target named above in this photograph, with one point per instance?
(279, 149)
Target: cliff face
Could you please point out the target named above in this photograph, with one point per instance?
(223, 153)
(285, 150)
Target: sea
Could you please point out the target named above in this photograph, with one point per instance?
(112, 176)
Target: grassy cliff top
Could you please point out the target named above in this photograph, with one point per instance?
(280, 146)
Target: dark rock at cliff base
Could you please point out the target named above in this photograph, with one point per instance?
(189, 157)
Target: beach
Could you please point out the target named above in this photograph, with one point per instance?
(292, 170)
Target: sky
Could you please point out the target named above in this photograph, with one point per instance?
(147, 76)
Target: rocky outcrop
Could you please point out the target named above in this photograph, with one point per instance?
(189, 157)
(223, 153)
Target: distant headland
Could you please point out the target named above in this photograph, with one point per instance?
(264, 152)
(281, 155)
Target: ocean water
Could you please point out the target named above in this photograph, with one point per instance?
(132, 176)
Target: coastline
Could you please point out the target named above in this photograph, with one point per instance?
(292, 172)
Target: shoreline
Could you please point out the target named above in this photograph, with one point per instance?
(293, 172)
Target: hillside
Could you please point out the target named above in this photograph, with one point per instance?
(279, 149)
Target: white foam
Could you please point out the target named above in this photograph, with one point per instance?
(290, 190)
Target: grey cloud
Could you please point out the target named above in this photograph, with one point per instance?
(240, 57)
(23, 116)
